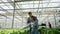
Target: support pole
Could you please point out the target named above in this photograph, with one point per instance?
(13, 15)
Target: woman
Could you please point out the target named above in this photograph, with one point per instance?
(33, 25)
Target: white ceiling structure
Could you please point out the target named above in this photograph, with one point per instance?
(27, 6)
(18, 12)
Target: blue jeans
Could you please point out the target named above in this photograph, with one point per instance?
(35, 31)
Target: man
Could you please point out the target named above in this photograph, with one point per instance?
(30, 20)
(49, 25)
(30, 14)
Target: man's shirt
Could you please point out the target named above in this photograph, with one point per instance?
(35, 24)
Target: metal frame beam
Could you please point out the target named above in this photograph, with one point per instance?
(40, 3)
(30, 8)
(27, 0)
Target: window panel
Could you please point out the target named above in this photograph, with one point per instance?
(53, 4)
(2, 12)
(7, 0)
(55, 0)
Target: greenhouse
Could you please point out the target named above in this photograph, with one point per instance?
(14, 15)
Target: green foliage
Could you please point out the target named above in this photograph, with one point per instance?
(25, 31)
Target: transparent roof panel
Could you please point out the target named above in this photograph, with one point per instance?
(53, 4)
(6, 0)
(27, 6)
(55, 0)
(30, 5)
(36, 4)
(2, 12)
(6, 5)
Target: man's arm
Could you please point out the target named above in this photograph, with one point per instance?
(28, 21)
